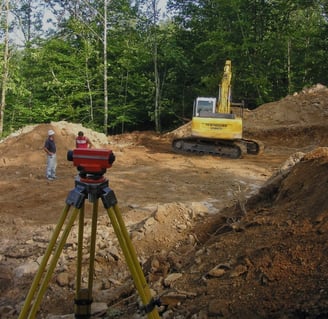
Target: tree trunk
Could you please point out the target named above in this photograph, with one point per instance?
(5, 69)
(88, 81)
(105, 71)
(157, 111)
(289, 74)
(157, 92)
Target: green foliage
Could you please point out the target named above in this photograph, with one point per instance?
(276, 47)
(255, 35)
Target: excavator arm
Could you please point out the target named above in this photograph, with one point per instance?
(223, 105)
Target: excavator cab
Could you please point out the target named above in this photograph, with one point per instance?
(207, 107)
(204, 106)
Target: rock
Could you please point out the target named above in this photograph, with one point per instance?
(198, 209)
(201, 315)
(216, 272)
(26, 269)
(181, 227)
(171, 278)
(191, 239)
(69, 316)
(161, 214)
(63, 279)
(168, 314)
(150, 222)
(238, 271)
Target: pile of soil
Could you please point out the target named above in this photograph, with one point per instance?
(216, 238)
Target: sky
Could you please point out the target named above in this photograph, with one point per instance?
(162, 4)
(18, 37)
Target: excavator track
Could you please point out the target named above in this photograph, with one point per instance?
(197, 146)
(252, 147)
(221, 148)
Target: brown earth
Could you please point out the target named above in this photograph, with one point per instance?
(245, 238)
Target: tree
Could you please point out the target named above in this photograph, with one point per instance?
(153, 30)
(5, 65)
(256, 35)
(105, 70)
(28, 20)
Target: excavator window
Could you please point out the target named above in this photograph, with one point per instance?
(204, 107)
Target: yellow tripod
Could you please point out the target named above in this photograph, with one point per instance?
(92, 188)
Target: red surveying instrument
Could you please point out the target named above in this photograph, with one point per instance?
(91, 183)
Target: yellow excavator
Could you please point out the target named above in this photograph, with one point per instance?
(215, 130)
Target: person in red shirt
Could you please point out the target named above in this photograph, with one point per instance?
(82, 141)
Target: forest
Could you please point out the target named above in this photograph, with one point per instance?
(125, 65)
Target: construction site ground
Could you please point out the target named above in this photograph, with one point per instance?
(216, 237)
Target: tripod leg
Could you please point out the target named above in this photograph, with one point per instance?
(52, 264)
(132, 261)
(79, 251)
(93, 246)
(84, 296)
(43, 264)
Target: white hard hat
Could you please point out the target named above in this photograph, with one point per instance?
(51, 132)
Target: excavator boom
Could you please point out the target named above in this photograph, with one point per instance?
(223, 105)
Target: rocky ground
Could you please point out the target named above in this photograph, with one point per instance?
(216, 238)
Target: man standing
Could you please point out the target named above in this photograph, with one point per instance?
(82, 141)
(50, 149)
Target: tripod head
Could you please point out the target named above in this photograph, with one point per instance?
(91, 163)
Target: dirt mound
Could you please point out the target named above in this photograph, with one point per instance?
(307, 108)
(268, 261)
(298, 120)
(294, 192)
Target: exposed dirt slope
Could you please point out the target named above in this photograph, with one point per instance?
(296, 121)
(270, 260)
